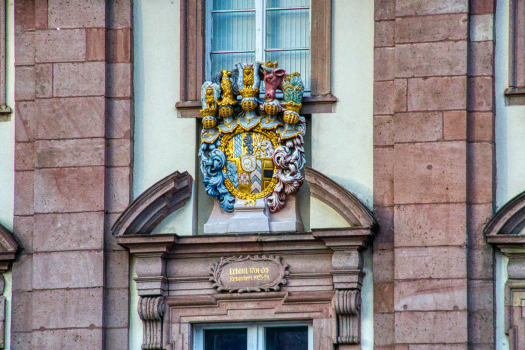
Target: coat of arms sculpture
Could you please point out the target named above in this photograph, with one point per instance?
(252, 148)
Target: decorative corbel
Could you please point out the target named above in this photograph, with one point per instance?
(151, 312)
(347, 305)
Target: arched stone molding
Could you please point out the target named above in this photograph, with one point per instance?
(8, 249)
(173, 278)
(506, 232)
(340, 199)
(155, 204)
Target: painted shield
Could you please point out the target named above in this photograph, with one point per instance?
(250, 151)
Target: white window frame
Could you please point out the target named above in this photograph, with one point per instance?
(260, 32)
(255, 332)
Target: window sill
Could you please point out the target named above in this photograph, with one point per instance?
(515, 96)
(311, 105)
(5, 110)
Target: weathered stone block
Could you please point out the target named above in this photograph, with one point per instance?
(78, 339)
(118, 80)
(119, 15)
(118, 152)
(95, 44)
(431, 28)
(430, 172)
(481, 126)
(25, 121)
(24, 156)
(383, 131)
(400, 95)
(117, 189)
(117, 269)
(24, 199)
(426, 225)
(385, 239)
(431, 262)
(23, 231)
(79, 79)
(480, 90)
(437, 93)
(41, 14)
(53, 232)
(384, 176)
(118, 45)
(44, 80)
(69, 189)
(480, 159)
(384, 9)
(110, 241)
(481, 27)
(481, 58)
(454, 125)
(383, 265)
(478, 217)
(71, 118)
(23, 273)
(481, 327)
(480, 295)
(21, 310)
(418, 127)
(431, 327)
(73, 308)
(118, 118)
(384, 33)
(384, 330)
(25, 15)
(68, 153)
(430, 7)
(431, 295)
(117, 338)
(116, 308)
(24, 48)
(480, 7)
(78, 269)
(74, 14)
(383, 297)
(431, 59)
(384, 59)
(480, 263)
(383, 98)
(21, 341)
(25, 83)
(60, 45)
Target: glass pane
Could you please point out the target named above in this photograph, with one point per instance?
(227, 60)
(287, 3)
(287, 338)
(233, 31)
(226, 339)
(220, 5)
(287, 29)
(293, 61)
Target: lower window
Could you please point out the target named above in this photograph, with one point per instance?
(254, 336)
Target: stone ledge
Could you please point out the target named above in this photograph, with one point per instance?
(515, 96)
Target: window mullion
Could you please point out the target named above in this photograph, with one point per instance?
(208, 37)
(260, 25)
(253, 337)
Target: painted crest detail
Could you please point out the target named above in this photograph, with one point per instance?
(253, 147)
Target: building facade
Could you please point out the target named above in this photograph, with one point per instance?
(403, 229)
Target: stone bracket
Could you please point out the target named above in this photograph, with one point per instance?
(151, 312)
(347, 305)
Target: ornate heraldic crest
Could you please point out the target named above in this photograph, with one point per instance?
(252, 148)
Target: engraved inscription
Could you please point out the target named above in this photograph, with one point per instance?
(249, 274)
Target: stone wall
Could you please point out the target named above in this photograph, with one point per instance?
(433, 174)
(73, 172)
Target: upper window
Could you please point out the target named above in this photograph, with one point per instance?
(258, 30)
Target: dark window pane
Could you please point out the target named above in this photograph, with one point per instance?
(226, 339)
(287, 338)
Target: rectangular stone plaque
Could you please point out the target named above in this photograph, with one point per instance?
(249, 274)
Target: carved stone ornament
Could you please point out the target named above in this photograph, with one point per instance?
(347, 305)
(256, 273)
(151, 312)
(252, 148)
